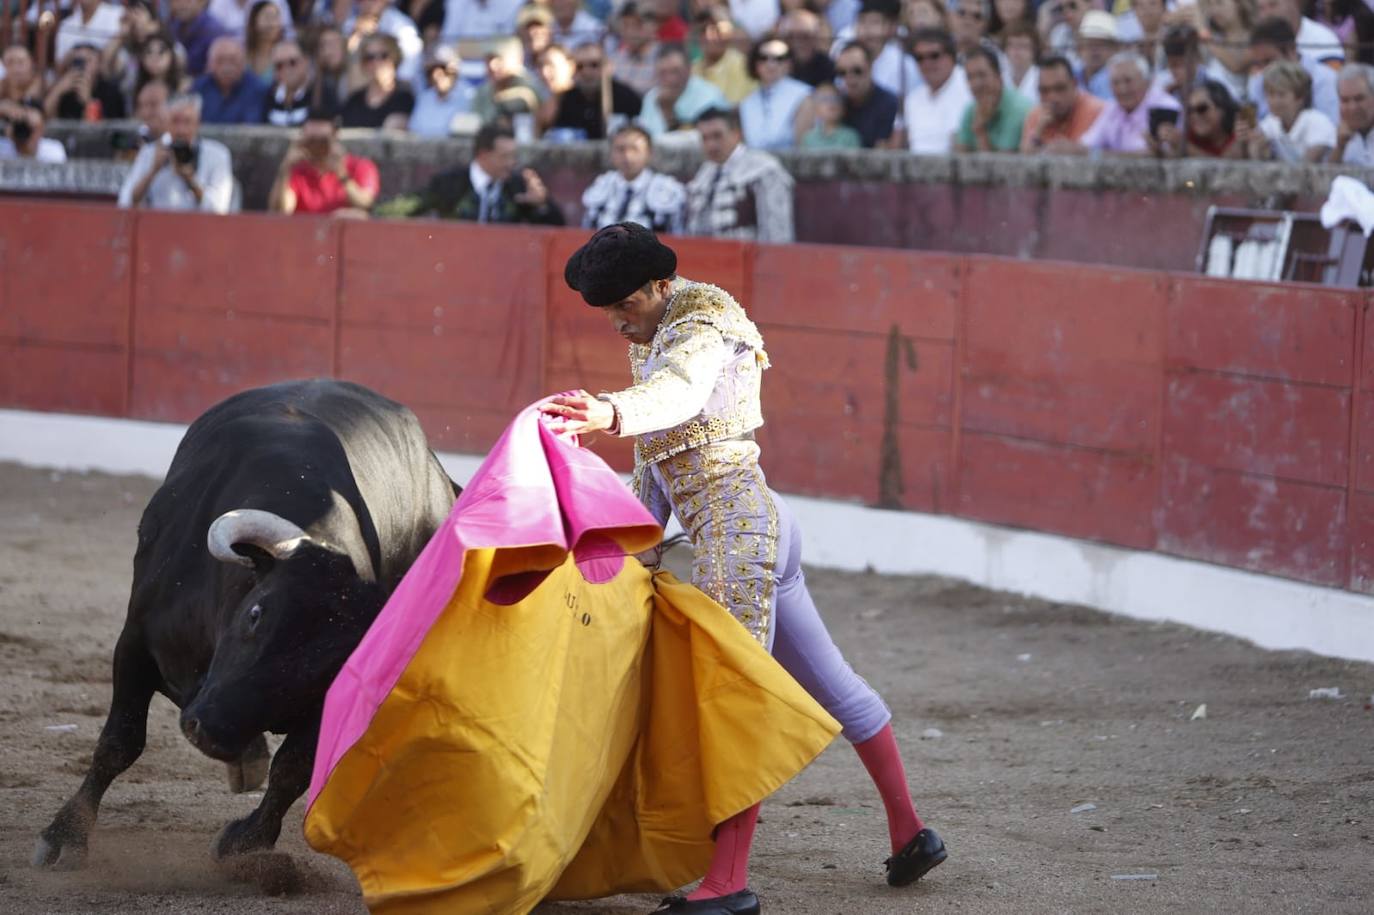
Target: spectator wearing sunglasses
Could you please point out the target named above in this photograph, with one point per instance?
(383, 102)
(289, 98)
(868, 108)
(776, 114)
(935, 109)
(1211, 126)
(582, 108)
(1065, 112)
(379, 17)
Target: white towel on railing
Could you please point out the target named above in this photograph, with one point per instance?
(1350, 199)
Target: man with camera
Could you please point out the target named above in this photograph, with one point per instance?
(181, 170)
(21, 124)
(318, 176)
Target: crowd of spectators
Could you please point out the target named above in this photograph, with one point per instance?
(1285, 80)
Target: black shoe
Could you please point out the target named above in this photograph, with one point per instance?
(742, 903)
(916, 859)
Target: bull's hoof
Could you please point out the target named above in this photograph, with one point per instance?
(244, 836)
(249, 771)
(53, 854)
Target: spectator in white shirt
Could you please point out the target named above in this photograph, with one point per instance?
(935, 109)
(1355, 135)
(1315, 41)
(756, 17)
(1293, 131)
(186, 172)
(92, 22)
(480, 18)
(771, 115)
(23, 138)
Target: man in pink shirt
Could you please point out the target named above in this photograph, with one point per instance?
(1124, 126)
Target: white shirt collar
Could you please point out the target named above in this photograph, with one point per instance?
(480, 179)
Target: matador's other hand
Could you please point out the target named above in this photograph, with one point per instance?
(581, 412)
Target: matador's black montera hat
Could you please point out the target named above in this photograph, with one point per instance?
(616, 261)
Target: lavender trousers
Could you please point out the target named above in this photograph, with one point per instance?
(800, 642)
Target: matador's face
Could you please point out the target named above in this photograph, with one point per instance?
(637, 317)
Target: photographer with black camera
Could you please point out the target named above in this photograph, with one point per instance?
(21, 134)
(318, 176)
(181, 170)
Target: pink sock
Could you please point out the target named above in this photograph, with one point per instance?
(883, 761)
(729, 871)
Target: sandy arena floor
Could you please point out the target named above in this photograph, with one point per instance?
(1267, 804)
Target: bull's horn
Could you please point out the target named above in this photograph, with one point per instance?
(264, 530)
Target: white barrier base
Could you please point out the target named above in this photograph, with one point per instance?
(1272, 612)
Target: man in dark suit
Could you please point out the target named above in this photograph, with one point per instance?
(487, 190)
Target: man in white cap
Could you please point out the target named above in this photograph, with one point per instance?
(1098, 40)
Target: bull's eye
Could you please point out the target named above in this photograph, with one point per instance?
(254, 615)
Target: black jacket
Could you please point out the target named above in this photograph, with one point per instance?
(449, 195)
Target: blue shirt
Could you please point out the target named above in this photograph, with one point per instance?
(767, 114)
(696, 98)
(432, 115)
(244, 104)
(196, 37)
(1324, 97)
(1100, 84)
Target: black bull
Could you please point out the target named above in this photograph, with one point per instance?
(288, 516)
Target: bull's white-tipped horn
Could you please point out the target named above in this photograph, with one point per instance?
(264, 530)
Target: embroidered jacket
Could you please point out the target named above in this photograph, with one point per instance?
(697, 382)
(692, 409)
(749, 197)
(653, 199)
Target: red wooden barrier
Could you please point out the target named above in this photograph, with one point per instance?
(1228, 422)
(1257, 428)
(64, 308)
(222, 307)
(1061, 396)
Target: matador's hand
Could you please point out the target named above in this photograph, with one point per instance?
(581, 412)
